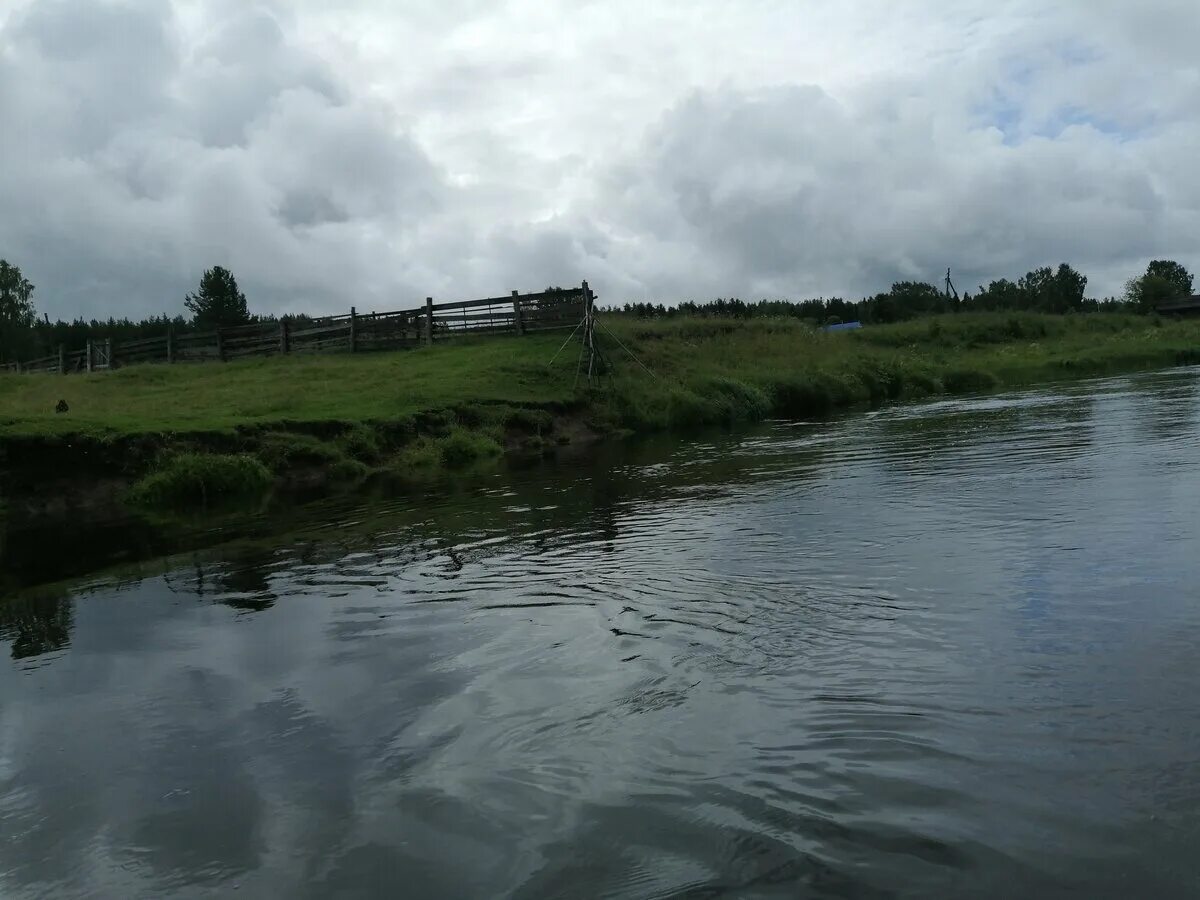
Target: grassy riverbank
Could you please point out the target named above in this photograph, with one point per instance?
(193, 432)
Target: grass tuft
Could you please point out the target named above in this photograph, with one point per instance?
(204, 478)
(282, 451)
(462, 447)
(459, 448)
(361, 443)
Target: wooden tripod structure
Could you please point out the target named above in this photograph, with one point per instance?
(591, 361)
(593, 364)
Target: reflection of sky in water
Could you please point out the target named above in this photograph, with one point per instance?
(938, 645)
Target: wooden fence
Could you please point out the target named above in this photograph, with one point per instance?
(354, 332)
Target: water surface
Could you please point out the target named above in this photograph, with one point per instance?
(938, 650)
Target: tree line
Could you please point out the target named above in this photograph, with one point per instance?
(219, 302)
(1047, 290)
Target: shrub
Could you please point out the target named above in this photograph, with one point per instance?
(731, 400)
(882, 380)
(283, 450)
(461, 447)
(203, 478)
(457, 449)
(360, 443)
(423, 453)
(810, 394)
(686, 408)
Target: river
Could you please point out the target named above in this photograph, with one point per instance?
(941, 649)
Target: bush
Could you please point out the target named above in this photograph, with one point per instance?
(687, 409)
(882, 380)
(283, 450)
(360, 443)
(422, 453)
(731, 400)
(457, 449)
(813, 394)
(201, 478)
(461, 447)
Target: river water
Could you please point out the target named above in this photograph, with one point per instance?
(946, 649)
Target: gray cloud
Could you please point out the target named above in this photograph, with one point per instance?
(373, 154)
(141, 161)
(785, 190)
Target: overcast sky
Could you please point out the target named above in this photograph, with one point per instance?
(387, 151)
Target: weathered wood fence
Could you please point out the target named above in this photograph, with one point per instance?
(354, 332)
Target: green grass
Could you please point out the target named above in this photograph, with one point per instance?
(459, 405)
(458, 449)
(201, 478)
(807, 373)
(268, 391)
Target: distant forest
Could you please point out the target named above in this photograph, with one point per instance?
(23, 335)
(1041, 290)
(219, 302)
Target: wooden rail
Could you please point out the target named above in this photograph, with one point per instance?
(354, 332)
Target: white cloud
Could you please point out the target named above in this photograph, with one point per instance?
(375, 153)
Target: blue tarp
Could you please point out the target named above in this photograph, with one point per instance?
(844, 326)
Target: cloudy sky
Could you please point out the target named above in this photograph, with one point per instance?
(374, 152)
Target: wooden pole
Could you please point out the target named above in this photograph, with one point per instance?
(62, 359)
(428, 321)
(589, 330)
(108, 352)
(587, 316)
(170, 345)
(353, 329)
(89, 356)
(220, 346)
(518, 325)
(283, 336)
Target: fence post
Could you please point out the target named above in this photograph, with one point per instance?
(89, 356)
(108, 352)
(283, 336)
(220, 345)
(62, 359)
(518, 325)
(428, 321)
(353, 329)
(170, 345)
